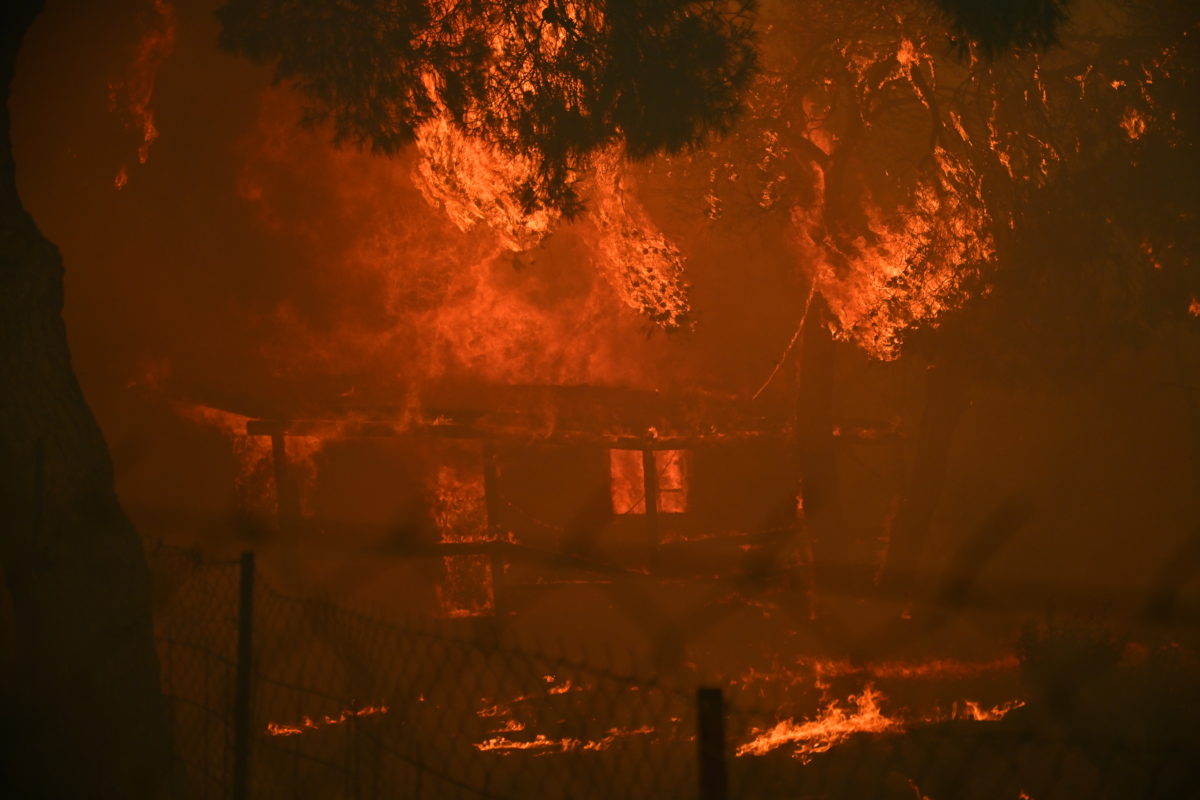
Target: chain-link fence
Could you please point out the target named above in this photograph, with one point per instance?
(281, 696)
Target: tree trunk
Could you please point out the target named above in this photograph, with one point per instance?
(945, 401)
(82, 713)
(815, 445)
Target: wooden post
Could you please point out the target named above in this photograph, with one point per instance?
(244, 678)
(710, 740)
(816, 455)
(491, 499)
(650, 488)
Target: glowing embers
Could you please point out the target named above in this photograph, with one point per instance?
(460, 514)
(628, 481)
(310, 724)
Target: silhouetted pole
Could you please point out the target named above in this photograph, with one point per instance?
(241, 699)
(650, 491)
(710, 740)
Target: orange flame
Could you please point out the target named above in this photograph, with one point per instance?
(543, 745)
(255, 482)
(834, 725)
(460, 514)
(137, 86)
(309, 724)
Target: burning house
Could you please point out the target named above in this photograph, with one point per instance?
(524, 491)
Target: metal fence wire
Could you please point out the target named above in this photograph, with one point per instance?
(274, 696)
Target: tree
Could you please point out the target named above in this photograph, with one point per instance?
(990, 212)
(82, 713)
(549, 83)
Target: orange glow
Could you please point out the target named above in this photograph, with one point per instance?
(627, 481)
(460, 514)
(410, 297)
(1194, 307)
(833, 726)
(971, 710)
(637, 259)
(542, 745)
(819, 671)
(474, 184)
(255, 482)
(916, 265)
(309, 724)
(134, 91)
(1133, 122)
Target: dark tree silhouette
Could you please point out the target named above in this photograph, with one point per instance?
(554, 83)
(80, 709)
(999, 26)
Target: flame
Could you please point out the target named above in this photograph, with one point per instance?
(136, 88)
(834, 725)
(1133, 123)
(460, 514)
(474, 183)
(972, 710)
(405, 295)
(1194, 307)
(255, 482)
(627, 481)
(542, 745)
(309, 724)
(915, 264)
(637, 259)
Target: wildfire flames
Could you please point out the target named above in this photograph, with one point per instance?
(861, 713)
(834, 725)
(543, 745)
(309, 724)
(132, 93)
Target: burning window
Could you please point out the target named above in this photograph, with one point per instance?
(460, 513)
(628, 481)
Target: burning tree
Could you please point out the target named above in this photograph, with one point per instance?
(933, 196)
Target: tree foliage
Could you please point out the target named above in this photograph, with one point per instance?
(996, 27)
(552, 81)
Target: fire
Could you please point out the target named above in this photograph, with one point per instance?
(1133, 123)
(628, 486)
(309, 724)
(542, 745)
(917, 263)
(136, 88)
(255, 482)
(638, 260)
(974, 711)
(474, 184)
(834, 726)
(460, 514)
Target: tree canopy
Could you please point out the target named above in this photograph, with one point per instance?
(551, 83)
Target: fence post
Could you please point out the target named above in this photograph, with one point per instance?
(244, 677)
(710, 740)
